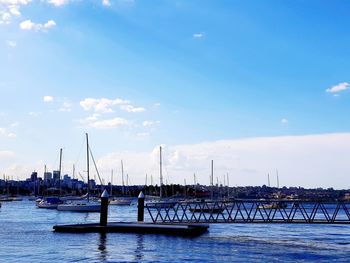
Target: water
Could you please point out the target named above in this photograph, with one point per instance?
(26, 236)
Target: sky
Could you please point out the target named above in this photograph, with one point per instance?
(259, 87)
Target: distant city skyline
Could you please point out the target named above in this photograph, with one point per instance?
(258, 87)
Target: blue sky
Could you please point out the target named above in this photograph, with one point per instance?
(177, 73)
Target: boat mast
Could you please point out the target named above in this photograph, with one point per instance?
(122, 177)
(278, 181)
(160, 172)
(212, 179)
(87, 166)
(60, 171)
(111, 183)
(228, 187)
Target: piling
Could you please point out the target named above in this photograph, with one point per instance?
(140, 207)
(104, 208)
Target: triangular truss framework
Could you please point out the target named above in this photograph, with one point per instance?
(252, 211)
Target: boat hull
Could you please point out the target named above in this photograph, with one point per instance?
(83, 207)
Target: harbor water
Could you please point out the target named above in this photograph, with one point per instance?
(26, 235)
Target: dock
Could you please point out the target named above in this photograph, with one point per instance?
(136, 227)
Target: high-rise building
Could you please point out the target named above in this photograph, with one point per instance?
(34, 176)
(56, 176)
(47, 177)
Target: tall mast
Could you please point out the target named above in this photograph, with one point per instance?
(87, 167)
(111, 183)
(60, 171)
(122, 177)
(160, 172)
(228, 186)
(212, 179)
(278, 181)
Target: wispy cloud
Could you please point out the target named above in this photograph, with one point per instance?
(149, 123)
(11, 43)
(5, 132)
(58, 2)
(143, 134)
(14, 124)
(10, 9)
(130, 108)
(66, 107)
(339, 87)
(104, 105)
(6, 154)
(284, 121)
(106, 2)
(199, 35)
(94, 122)
(34, 114)
(29, 25)
(47, 98)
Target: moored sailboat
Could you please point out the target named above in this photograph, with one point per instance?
(82, 205)
(160, 202)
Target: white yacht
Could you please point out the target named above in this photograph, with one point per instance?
(82, 205)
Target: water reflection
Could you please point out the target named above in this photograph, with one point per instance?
(139, 248)
(102, 247)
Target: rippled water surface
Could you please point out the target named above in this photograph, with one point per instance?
(26, 236)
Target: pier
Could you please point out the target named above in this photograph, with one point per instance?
(178, 229)
(252, 211)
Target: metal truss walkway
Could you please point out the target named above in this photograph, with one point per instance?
(251, 211)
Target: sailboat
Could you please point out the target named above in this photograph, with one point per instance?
(121, 200)
(82, 205)
(52, 202)
(160, 203)
(211, 206)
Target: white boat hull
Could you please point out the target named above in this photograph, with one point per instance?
(120, 202)
(80, 207)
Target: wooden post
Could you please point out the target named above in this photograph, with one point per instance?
(140, 207)
(104, 208)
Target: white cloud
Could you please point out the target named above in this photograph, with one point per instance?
(308, 161)
(48, 99)
(106, 2)
(130, 108)
(66, 106)
(11, 43)
(339, 87)
(104, 105)
(10, 9)
(6, 133)
(58, 2)
(198, 35)
(15, 124)
(94, 122)
(6, 154)
(29, 25)
(284, 121)
(149, 123)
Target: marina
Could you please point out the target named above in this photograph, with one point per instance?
(29, 236)
(174, 131)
